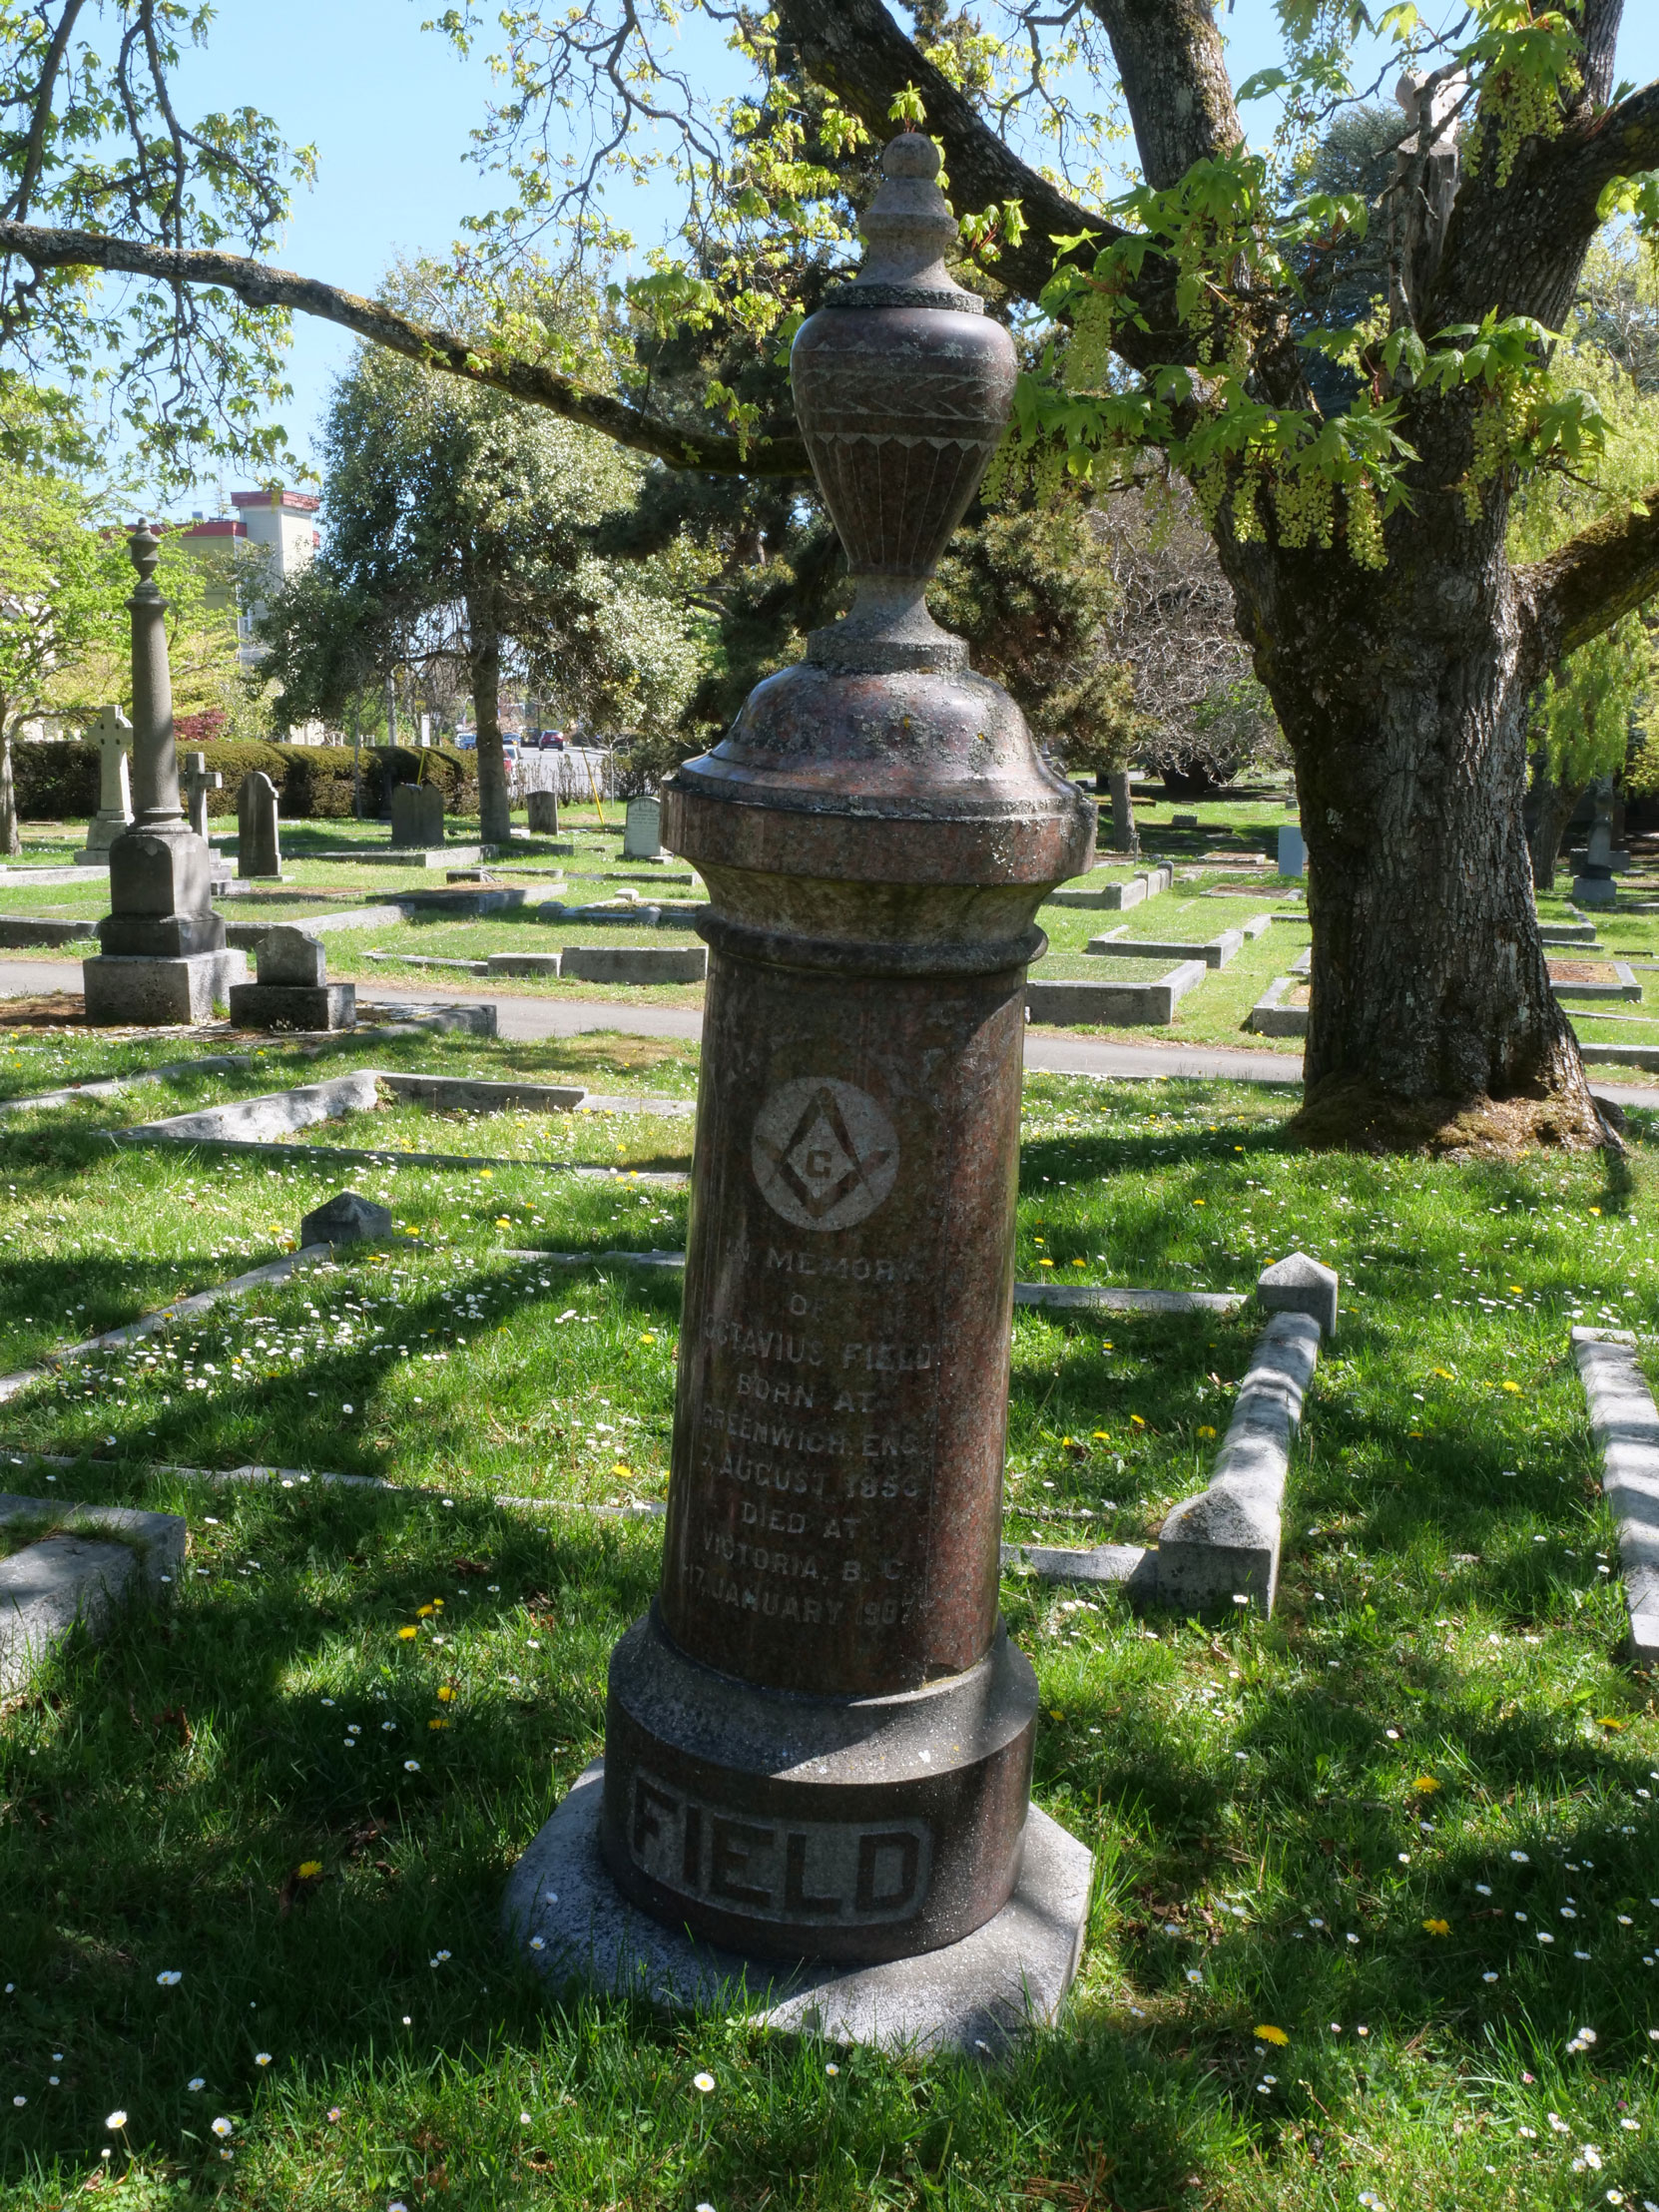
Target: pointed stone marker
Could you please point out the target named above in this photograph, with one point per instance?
(347, 1219)
(1298, 1285)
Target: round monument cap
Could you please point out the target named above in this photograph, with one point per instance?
(911, 154)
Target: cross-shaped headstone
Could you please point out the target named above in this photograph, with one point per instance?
(111, 733)
(198, 779)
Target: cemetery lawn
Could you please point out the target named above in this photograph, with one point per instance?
(253, 1848)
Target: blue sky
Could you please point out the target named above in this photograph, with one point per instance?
(391, 109)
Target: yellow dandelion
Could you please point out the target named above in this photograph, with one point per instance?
(309, 1868)
(650, 1337)
(1425, 1784)
(1268, 2034)
(1199, 1202)
(1513, 1387)
(1444, 1373)
(1596, 1209)
(1206, 1431)
(404, 1634)
(437, 1724)
(446, 1693)
(1103, 1435)
(620, 1468)
(1136, 1418)
(424, 1613)
(1045, 1263)
(1437, 1927)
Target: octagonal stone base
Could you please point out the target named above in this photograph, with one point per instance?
(975, 1996)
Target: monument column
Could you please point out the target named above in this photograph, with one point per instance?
(163, 955)
(818, 1741)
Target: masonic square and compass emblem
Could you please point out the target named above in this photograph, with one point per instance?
(824, 1152)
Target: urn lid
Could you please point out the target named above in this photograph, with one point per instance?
(908, 228)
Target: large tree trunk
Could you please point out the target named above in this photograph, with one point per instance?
(1404, 695)
(1125, 836)
(1551, 806)
(495, 819)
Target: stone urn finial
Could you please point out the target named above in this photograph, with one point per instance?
(144, 543)
(902, 386)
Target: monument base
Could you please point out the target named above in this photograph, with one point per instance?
(293, 1006)
(135, 990)
(975, 1996)
(102, 832)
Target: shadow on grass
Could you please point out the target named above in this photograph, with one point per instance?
(162, 1791)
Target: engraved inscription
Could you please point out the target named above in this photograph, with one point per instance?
(824, 1152)
(844, 1873)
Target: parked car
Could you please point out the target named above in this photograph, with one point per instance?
(552, 741)
(466, 741)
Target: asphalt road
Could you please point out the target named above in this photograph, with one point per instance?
(525, 1018)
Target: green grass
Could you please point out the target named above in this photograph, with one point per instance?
(1276, 1811)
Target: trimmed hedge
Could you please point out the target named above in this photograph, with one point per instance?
(59, 782)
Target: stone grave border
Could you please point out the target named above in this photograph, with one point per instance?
(1581, 995)
(1625, 1423)
(1271, 1017)
(307, 1045)
(1147, 884)
(1215, 952)
(256, 1125)
(1083, 1005)
(88, 1560)
(583, 964)
(1220, 1546)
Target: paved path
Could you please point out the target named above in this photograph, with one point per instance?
(524, 1018)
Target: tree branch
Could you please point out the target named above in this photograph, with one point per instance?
(1620, 141)
(1585, 585)
(260, 286)
(1173, 64)
(854, 49)
(34, 151)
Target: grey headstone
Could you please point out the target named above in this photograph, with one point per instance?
(1183, 821)
(347, 1219)
(418, 815)
(111, 733)
(542, 811)
(293, 1006)
(642, 832)
(198, 779)
(1298, 1285)
(259, 849)
(290, 955)
(1292, 851)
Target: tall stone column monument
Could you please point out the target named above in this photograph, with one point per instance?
(818, 1741)
(164, 955)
